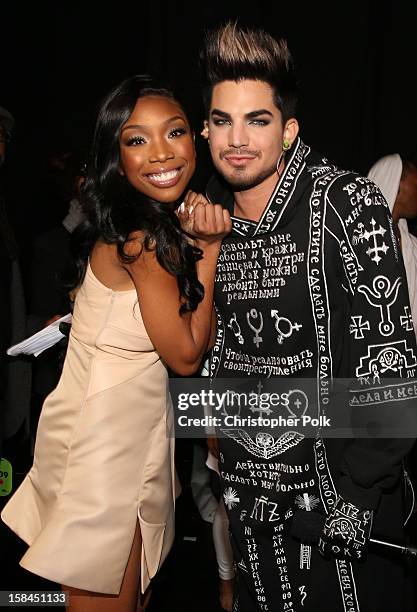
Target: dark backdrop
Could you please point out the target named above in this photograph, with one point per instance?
(356, 64)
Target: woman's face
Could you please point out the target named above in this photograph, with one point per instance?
(157, 153)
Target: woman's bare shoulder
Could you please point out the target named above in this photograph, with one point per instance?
(108, 269)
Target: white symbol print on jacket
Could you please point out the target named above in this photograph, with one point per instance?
(376, 248)
(235, 327)
(382, 296)
(253, 313)
(284, 326)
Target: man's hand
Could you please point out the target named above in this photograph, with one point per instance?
(64, 328)
(52, 320)
(346, 532)
(213, 446)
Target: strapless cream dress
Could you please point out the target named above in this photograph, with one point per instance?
(104, 454)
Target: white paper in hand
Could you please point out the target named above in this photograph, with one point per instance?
(42, 340)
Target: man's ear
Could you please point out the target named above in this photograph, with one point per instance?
(291, 130)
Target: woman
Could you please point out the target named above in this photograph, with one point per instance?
(97, 506)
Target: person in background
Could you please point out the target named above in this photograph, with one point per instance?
(396, 176)
(221, 538)
(15, 373)
(49, 297)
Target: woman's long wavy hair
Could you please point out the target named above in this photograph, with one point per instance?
(114, 209)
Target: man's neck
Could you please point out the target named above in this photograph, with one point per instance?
(251, 203)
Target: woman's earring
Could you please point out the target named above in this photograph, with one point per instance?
(286, 145)
(205, 131)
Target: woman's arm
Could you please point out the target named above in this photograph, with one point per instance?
(181, 340)
(213, 330)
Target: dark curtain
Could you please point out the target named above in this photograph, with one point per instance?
(356, 64)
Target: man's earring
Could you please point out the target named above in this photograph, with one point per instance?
(286, 145)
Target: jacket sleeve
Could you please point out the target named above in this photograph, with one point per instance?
(382, 348)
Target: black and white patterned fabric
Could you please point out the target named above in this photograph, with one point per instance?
(315, 290)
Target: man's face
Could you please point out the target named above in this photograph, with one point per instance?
(407, 196)
(245, 132)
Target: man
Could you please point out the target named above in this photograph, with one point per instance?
(15, 375)
(7, 246)
(397, 179)
(310, 285)
(48, 299)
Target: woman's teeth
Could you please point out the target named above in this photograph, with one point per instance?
(163, 177)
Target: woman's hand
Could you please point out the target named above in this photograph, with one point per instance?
(207, 223)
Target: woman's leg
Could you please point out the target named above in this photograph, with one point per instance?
(126, 601)
(224, 556)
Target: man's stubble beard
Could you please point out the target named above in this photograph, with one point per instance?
(244, 183)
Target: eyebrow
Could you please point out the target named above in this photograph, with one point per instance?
(144, 127)
(251, 115)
